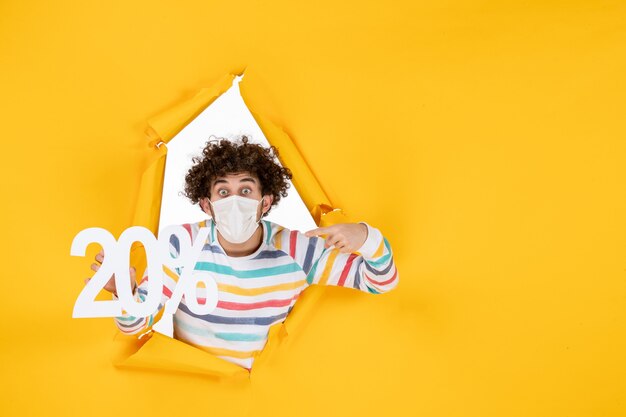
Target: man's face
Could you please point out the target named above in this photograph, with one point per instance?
(242, 184)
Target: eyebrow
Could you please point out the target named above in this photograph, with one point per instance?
(246, 179)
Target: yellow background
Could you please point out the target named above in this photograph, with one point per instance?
(484, 139)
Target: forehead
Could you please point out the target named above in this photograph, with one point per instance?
(236, 178)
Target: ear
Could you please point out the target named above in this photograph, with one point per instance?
(268, 199)
(205, 205)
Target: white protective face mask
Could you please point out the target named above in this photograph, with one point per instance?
(235, 217)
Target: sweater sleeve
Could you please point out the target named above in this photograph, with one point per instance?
(129, 324)
(370, 269)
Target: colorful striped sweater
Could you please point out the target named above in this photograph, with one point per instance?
(259, 290)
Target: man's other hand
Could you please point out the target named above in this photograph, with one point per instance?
(110, 285)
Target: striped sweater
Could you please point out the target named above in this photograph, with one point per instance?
(259, 290)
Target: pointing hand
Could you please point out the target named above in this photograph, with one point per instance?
(346, 237)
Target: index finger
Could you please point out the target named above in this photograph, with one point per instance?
(316, 232)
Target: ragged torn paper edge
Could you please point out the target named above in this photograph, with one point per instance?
(155, 351)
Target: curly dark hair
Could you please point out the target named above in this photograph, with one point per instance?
(222, 156)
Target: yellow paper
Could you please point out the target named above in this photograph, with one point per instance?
(155, 351)
(484, 139)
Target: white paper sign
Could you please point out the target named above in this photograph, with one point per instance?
(116, 261)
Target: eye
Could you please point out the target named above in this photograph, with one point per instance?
(246, 191)
(222, 192)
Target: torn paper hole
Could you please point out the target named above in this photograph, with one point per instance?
(227, 117)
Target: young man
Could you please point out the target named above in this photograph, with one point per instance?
(260, 267)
